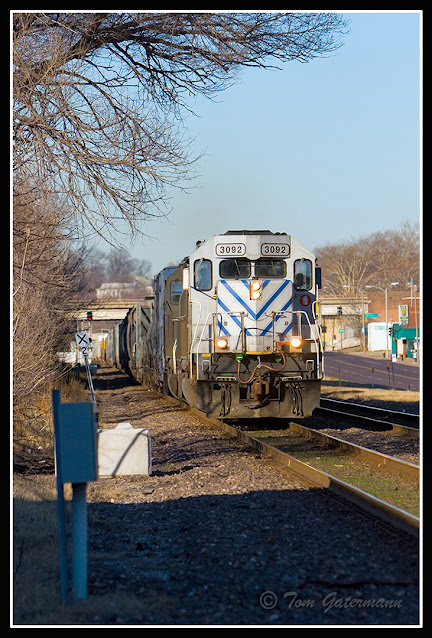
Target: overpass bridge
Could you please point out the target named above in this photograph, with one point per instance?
(105, 313)
(105, 310)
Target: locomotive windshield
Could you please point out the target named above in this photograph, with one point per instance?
(270, 268)
(235, 269)
(242, 268)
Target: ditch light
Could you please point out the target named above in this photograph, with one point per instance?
(295, 342)
(222, 343)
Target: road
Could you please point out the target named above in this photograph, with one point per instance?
(358, 369)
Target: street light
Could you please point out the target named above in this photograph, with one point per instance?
(385, 290)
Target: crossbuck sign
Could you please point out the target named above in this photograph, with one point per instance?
(83, 341)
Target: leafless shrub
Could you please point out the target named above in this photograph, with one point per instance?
(45, 273)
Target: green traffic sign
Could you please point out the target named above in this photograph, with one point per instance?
(371, 314)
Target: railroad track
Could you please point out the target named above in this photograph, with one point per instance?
(374, 457)
(366, 501)
(379, 418)
(318, 478)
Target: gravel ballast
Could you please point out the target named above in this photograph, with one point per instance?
(218, 535)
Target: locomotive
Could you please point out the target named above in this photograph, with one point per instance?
(232, 330)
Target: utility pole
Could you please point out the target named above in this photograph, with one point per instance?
(416, 325)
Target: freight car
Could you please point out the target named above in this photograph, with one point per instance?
(233, 329)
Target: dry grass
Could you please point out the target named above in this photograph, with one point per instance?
(36, 568)
(33, 429)
(36, 564)
(35, 540)
(378, 397)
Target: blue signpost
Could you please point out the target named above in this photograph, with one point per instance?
(75, 430)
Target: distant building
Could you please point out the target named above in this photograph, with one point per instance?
(401, 306)
(341, 318)
(360, 321)
(125, 290)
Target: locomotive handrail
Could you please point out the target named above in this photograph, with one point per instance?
(318, 343)
(193, 340)
(201, 339)
(319, 349)
(210, 314)
(315, 305)
(174, 355)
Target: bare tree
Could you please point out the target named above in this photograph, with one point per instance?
(376, 259)
(120, 267)
(345, 266)
(396, 256)
(98, 135)
(98, 97)
(45, 275)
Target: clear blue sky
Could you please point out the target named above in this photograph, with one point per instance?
(325, 151)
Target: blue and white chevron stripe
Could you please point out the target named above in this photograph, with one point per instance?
(234, 297)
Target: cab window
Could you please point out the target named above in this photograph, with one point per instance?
(234, 269)
(203, 278)
(176, 289)
(303, 274)
(270, 268)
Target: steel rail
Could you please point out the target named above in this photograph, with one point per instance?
(380, 426)
(381, 416)
(317, 478)
(376, 458)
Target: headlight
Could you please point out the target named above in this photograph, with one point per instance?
(255, 290)
(296, 342)
(221, 343)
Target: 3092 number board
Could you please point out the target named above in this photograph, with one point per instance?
(222, 250)
(281, 250)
